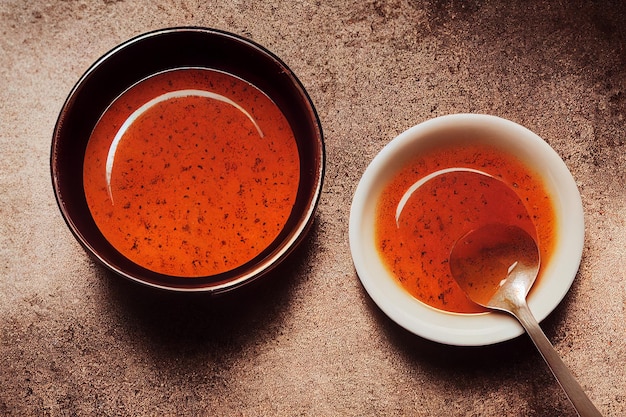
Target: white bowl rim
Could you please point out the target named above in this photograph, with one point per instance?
(453, 328)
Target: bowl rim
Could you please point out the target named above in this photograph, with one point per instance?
(454, 328)
(292, 238)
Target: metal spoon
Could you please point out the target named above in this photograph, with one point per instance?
(496, 265)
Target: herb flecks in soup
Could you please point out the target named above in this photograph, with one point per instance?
(441, 195)
(191, 172)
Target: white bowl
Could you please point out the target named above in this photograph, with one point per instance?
(455, 328)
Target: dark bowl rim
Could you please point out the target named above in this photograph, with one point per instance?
(296, 235)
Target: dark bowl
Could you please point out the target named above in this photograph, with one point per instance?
(160, 51)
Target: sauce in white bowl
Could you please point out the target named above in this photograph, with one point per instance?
(488, 144)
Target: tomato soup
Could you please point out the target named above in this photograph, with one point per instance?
(444, 193)
(191, 172)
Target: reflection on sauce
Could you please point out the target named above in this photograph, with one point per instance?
(439, 197)
(191, 172)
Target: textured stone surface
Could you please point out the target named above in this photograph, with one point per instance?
(75, 340)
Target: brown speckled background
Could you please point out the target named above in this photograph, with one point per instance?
(76, 340)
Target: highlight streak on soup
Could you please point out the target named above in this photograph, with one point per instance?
(438, 197)
(191, 172)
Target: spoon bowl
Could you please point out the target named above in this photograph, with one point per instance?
(481, 258)
(496, 265)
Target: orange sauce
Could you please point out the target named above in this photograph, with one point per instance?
(191, 172)
(416, 246)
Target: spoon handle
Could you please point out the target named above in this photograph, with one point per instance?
(573, 390)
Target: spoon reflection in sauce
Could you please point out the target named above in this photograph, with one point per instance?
(496, 265)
